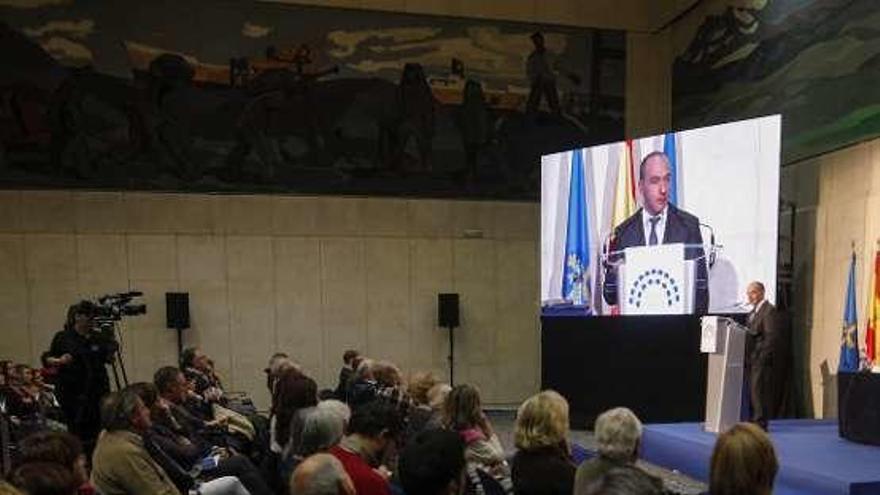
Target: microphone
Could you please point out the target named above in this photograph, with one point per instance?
(712, 245)
(711, 233)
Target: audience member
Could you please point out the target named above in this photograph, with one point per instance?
(337, 408)
(321, 474)
(345, 373)
(60, 448)
(543, 464)
(319, 430)
(188, 421)
(433, 463)
(743, 461)
(294, 391)
(372, 432)
(463, 413)
(44, 478)
(437, 401)
(627, 479)
(7, 489)
(420, 413)
(121, 464)
(618, 433)
(362, 386)
(271, 369)
(197, 369)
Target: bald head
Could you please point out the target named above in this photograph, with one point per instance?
(321, 474)
(755, 293)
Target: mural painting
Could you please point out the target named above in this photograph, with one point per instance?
(816, 62)
(207, 95)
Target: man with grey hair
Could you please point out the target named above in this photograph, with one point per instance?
(121, 465)
(618, 433)
(321, 474)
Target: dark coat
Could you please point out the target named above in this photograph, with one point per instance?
(681, 227)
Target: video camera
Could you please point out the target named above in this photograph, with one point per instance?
(106, 310)
(112, 307)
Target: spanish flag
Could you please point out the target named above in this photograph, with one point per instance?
(625, 189)
(871, 348)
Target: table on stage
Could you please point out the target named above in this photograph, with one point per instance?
(858, 399)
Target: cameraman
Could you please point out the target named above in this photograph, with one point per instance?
(79, 355)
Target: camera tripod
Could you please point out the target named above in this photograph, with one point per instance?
(117, 364)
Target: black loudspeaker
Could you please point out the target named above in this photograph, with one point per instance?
(177, 309)
(447, 310)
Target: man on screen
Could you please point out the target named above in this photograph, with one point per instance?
(658, 222)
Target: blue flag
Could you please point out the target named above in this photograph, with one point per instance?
(669, 150)
(849, 345)
(576, 272)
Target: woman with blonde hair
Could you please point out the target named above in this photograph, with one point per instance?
(542, 464)
(743, 461)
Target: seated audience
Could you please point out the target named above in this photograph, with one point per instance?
(626, 479)
(271, 369)
(389, 385)
(7, 489)
(463, 414)
(197, 369)
(372, 433)
(618, 432)
(420, 413)
(189, 421)
(319, 429)
(362, 386)
(437, 401)
(321, 474)
(345, 374)
(43, 478)
(60, 448)
(337, 408)
(542, 464)
(294, 391)
(433, 463)
(743, 461)
(121, 464)
(184, 459)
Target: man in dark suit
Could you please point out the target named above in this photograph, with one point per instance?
(761, 346)
(658, 222)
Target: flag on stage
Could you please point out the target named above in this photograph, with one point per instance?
(576, 272)
(669, 151)
(849, 345)
(624, 204)
(625, 190)
(871, 349)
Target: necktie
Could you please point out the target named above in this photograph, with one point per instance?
(652, 240)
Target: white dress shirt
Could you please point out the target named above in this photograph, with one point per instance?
(660, 228)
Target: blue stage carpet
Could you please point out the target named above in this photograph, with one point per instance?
(813, 459)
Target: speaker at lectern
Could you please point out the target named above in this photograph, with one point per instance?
(656, 280)
(724, 340)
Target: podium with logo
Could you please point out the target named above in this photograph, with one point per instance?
(656, 280)
(724, 341)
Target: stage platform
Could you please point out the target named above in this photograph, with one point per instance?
(813, 459)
